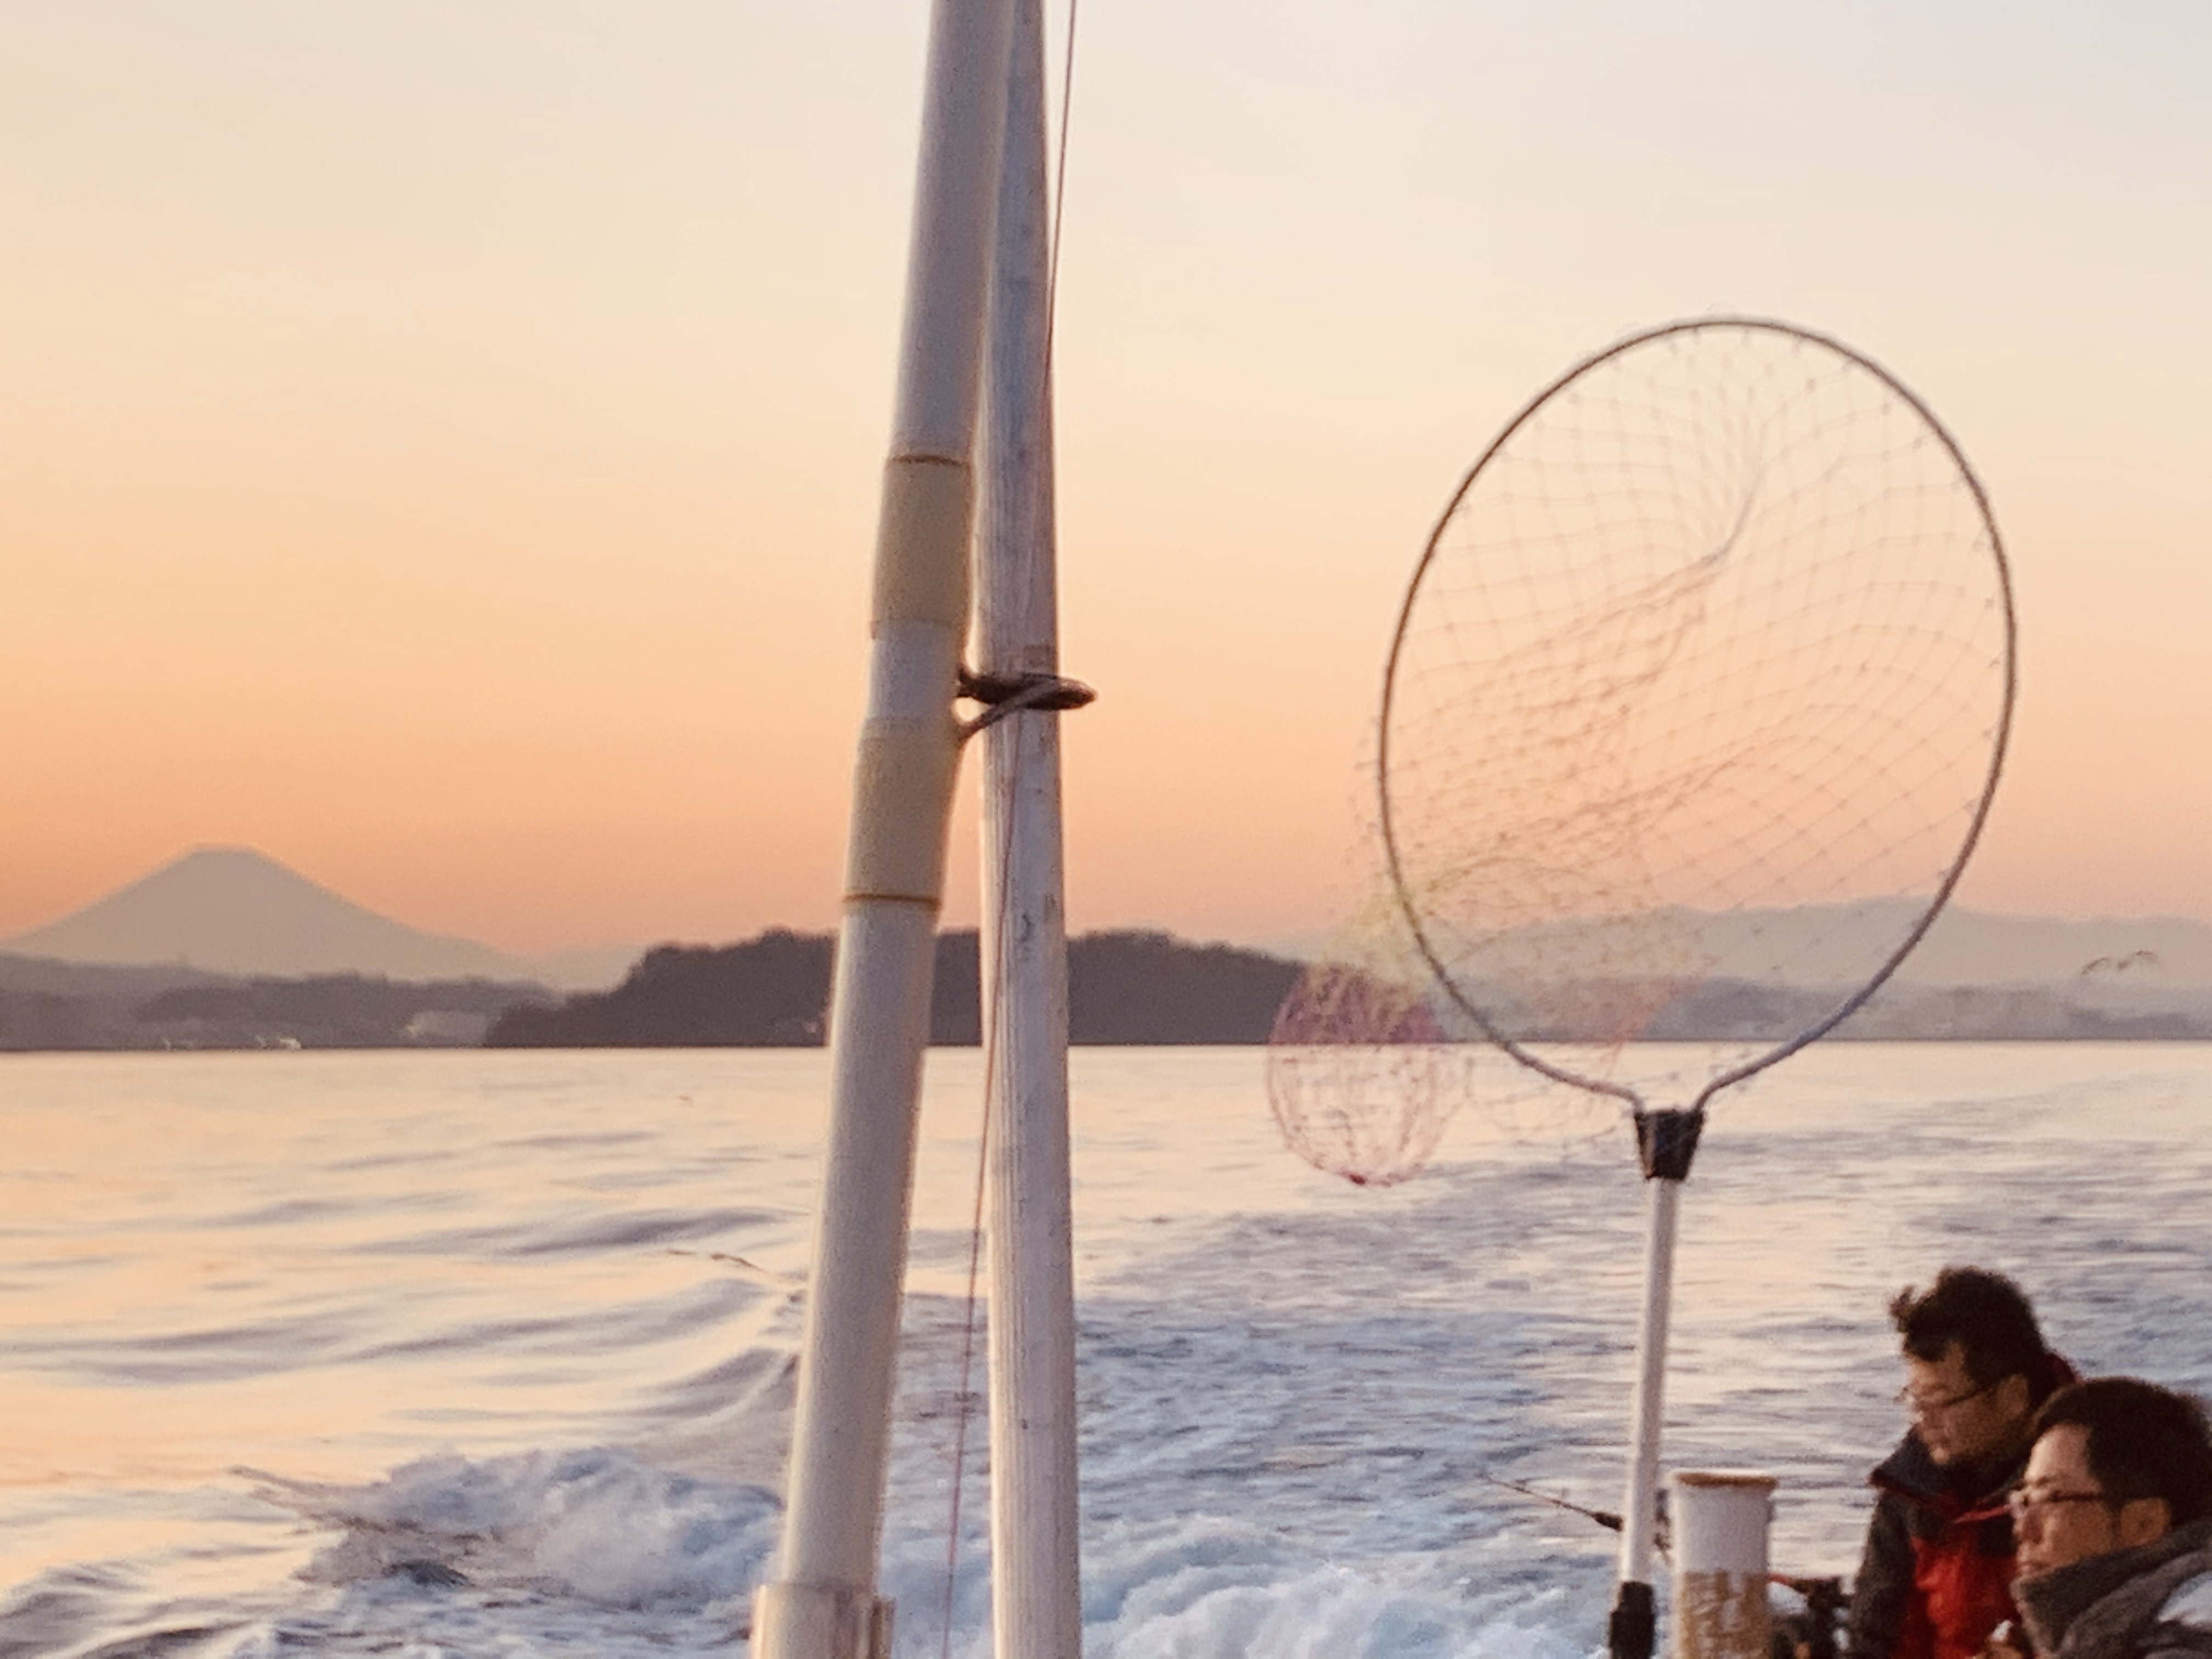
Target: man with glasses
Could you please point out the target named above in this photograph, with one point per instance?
(2114, 1517)
(1935, 1580)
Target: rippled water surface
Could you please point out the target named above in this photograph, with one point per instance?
(489, 1354)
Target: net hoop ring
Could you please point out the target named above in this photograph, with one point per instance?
(1977, 818)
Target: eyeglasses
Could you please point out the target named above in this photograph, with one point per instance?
(1924, 1405)
(2029, 1500)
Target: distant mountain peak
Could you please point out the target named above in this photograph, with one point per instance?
(217, 859)
(237, 910)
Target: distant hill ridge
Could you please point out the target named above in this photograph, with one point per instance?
(248, 929)
(49, 1004)
(1149, 988)
(1962, 947)
(773, 991)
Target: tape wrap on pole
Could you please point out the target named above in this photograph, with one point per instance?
(904, 771)
(903, 775)
(922, 544)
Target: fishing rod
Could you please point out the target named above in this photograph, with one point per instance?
(1605, 1519)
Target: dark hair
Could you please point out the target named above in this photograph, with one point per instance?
(2143, 1441)
(1987, 1316)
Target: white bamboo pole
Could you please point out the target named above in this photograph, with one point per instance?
(823, 1602)
(1036, 1601)
(1631, 1636)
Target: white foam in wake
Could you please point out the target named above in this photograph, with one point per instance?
(592, 1525)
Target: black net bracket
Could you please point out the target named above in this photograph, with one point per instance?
(1667, 1141)
(1634, 1622)
(1002, 695)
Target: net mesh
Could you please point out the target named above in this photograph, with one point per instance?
(1370, 1059)
(1695, 705)
(1359, 1074)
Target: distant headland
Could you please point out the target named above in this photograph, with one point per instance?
(774, 992)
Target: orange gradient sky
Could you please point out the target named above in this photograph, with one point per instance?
(439, 439)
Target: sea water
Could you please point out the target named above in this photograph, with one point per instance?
(490, 1353)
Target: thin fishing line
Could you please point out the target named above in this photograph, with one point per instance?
(963, 1412)
(1059, 187)
(963, 1407)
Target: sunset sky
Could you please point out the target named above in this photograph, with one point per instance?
(440, 439)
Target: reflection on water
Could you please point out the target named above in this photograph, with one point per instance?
(338, 1352)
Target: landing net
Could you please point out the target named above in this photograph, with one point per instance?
(1695, 708)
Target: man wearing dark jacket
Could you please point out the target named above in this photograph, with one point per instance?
(2115, 1522)
(1936, 1579)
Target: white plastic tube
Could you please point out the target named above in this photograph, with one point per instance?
(1720, 1608)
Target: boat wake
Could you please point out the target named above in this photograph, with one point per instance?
(592, 1526)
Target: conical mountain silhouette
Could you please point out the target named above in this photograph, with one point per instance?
(233, 910)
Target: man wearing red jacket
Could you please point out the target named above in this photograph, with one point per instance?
(1937, 1577)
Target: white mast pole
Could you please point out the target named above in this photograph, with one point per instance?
(822, 1604)
(1639, 1511)
(1666, 1142)
(1037, 1601)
